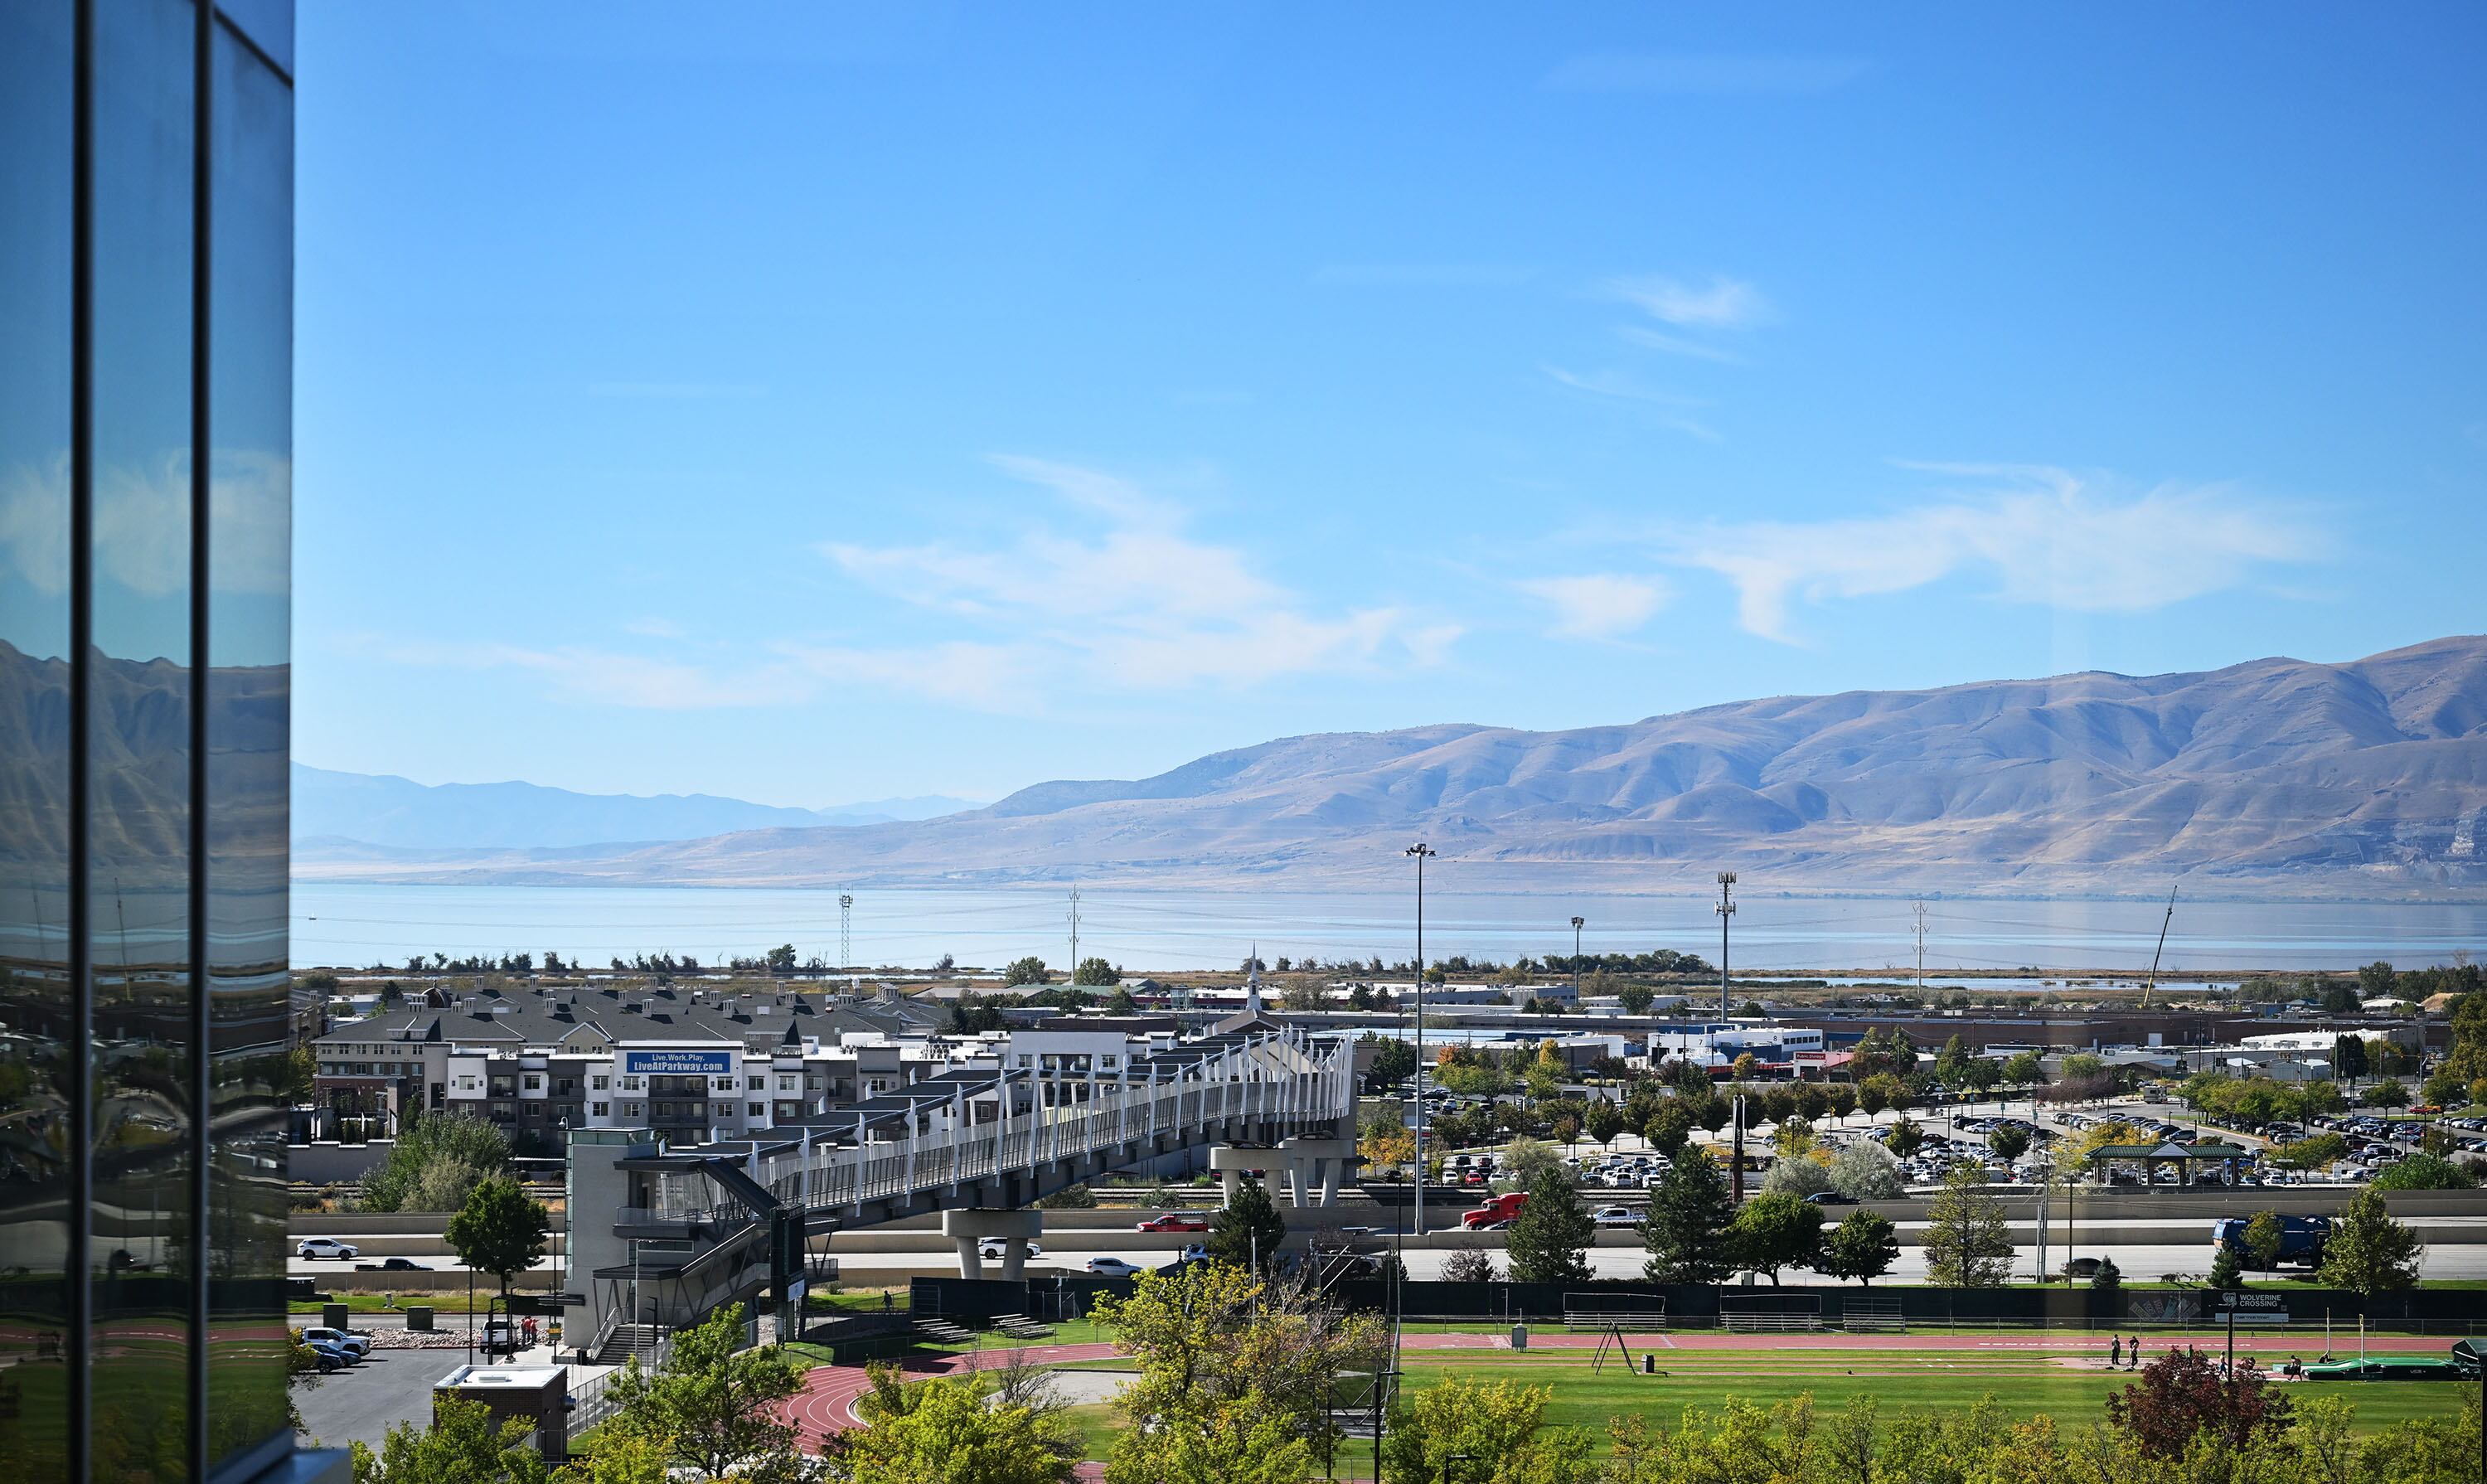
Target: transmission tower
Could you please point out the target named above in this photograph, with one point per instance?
(1921, 949)
(1725, 910)
(1075, 935)
(845, 950)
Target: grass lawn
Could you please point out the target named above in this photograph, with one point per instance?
(2024, 1383)
(377, 1303)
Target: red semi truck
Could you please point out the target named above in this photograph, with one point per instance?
(1501, 1208)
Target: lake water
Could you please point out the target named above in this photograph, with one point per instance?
(357, 924)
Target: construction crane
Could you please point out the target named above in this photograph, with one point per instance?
(2152, 981)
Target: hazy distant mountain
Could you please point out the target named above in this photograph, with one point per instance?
(2275, 774)
(330, 808)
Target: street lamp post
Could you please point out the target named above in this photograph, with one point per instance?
(1578, 923)
(1420, 851)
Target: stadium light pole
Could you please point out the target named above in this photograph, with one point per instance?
(1420, 851)
(1578, 923)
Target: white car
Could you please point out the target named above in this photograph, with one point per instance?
(343, 1339)
(1616, 1216)
(1112, 1268)
(326, 1246)
(994, 1249)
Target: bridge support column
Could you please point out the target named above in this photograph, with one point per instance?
(1228, 1163)
(972, 1229)
(1316, 1166)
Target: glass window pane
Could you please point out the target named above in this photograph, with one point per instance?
(249, 710)
(37, 42)
(139, 756)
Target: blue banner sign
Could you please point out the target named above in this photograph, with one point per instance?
(680, 1063)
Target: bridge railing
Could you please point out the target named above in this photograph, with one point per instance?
(1280, 1078)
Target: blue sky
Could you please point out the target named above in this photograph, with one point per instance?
(813, 403)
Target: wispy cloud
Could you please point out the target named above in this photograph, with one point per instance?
(613, 678)
(1705, 75)
(1676, 345)
(1668, 408)
(1721, 303)
(1133, 602)
(2046, 536)
(1600, 605)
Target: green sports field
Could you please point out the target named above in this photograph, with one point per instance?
(2026, 1380)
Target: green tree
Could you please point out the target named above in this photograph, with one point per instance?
(1686, 1231)
(1904, 1139)
(1968, 1243)
(1668, 1126)
(1234, 1379)
(1551, 1237)
(1246, 1227)
(2426, 1171)
(2369, 1252)
(1093, 971)
(1488, 1432)
(1027, 971)
(1393, 1061)
(500, 1230)
(461, 1446)
(1863, 1248)
(2264, 1235)
(2227, 1272)
(436, 1154)
(2025, 1070)
(2378, 980)
(1952, 1063)
(710, 1406)
(1775, 1231)
(946, 1429)
(2009, 1142)
(1637, 998)
(1605, 1122)
(781, 959)
(2388, 1093)
(2348, 1058)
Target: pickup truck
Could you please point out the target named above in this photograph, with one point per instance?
(1501, 1208)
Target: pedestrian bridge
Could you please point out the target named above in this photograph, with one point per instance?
(690, 1229)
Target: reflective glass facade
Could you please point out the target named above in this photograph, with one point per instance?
(146, 287)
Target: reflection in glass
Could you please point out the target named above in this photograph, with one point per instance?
(140, 1260)
(248, 714)
(36, 151)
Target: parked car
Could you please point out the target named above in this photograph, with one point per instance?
(328, 1356)
(1112, 1268)
(344, 1339)
(1175, 1220)
(994, 1249)
(325, 1246)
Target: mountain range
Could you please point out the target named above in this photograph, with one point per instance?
(334, 812)
(2274, 775)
